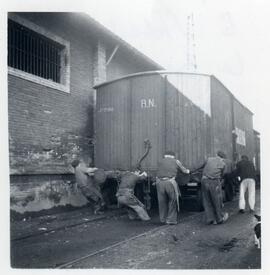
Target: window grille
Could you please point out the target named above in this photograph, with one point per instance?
(33, 53)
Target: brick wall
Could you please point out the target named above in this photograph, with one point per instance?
(49, 127)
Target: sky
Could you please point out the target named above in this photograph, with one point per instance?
(232, 42)
(232, 39)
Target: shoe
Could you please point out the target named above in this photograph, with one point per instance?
(251, 211)
(224, 219)
(98, 212)
(241, 211)
(171, 223)
(145, 219)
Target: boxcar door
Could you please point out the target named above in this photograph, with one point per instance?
(147, 97)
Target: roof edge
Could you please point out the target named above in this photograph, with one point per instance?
(119, 40)
(146, 73)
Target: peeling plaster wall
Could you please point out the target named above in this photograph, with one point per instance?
(38, 192)
(48, 128)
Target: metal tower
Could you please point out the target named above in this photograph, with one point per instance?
(191, 62)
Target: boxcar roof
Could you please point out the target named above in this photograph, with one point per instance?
(145, 73)
(168, 72)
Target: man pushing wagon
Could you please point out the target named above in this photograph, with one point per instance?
(125, 195)
(167, 188)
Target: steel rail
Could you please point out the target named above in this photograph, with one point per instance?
(65, 227)
(70, 263)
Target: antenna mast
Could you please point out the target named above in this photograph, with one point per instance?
(191, 65)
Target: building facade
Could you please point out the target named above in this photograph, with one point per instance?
(54, 60)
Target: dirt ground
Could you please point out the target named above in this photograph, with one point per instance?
(189, 245)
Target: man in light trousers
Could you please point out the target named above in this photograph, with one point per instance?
(246, 171)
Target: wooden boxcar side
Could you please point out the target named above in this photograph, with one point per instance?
(157, 107)
(113, 126)
(147, 111)
(244, 130)
(232, 123)
(187, 117)
(194, 115)
(128, 112)
(222, 119)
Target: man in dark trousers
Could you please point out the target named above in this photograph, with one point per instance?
(212, 189)
(246, 171)
(125, 195)
(85, 182)
(167, 188)
(228, 180)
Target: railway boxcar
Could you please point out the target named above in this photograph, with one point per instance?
(193, 115)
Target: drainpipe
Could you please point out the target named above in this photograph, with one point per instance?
(112, 55)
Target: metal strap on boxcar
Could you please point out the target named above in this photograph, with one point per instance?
(146, 187)
(147, 146)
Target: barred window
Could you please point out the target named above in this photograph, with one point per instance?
(33, 53)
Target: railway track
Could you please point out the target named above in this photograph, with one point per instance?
(81, 240)
(64, 227)
(84, 245)
(75, 261)
(70, 264)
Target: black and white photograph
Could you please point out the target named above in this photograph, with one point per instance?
(132, 134)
